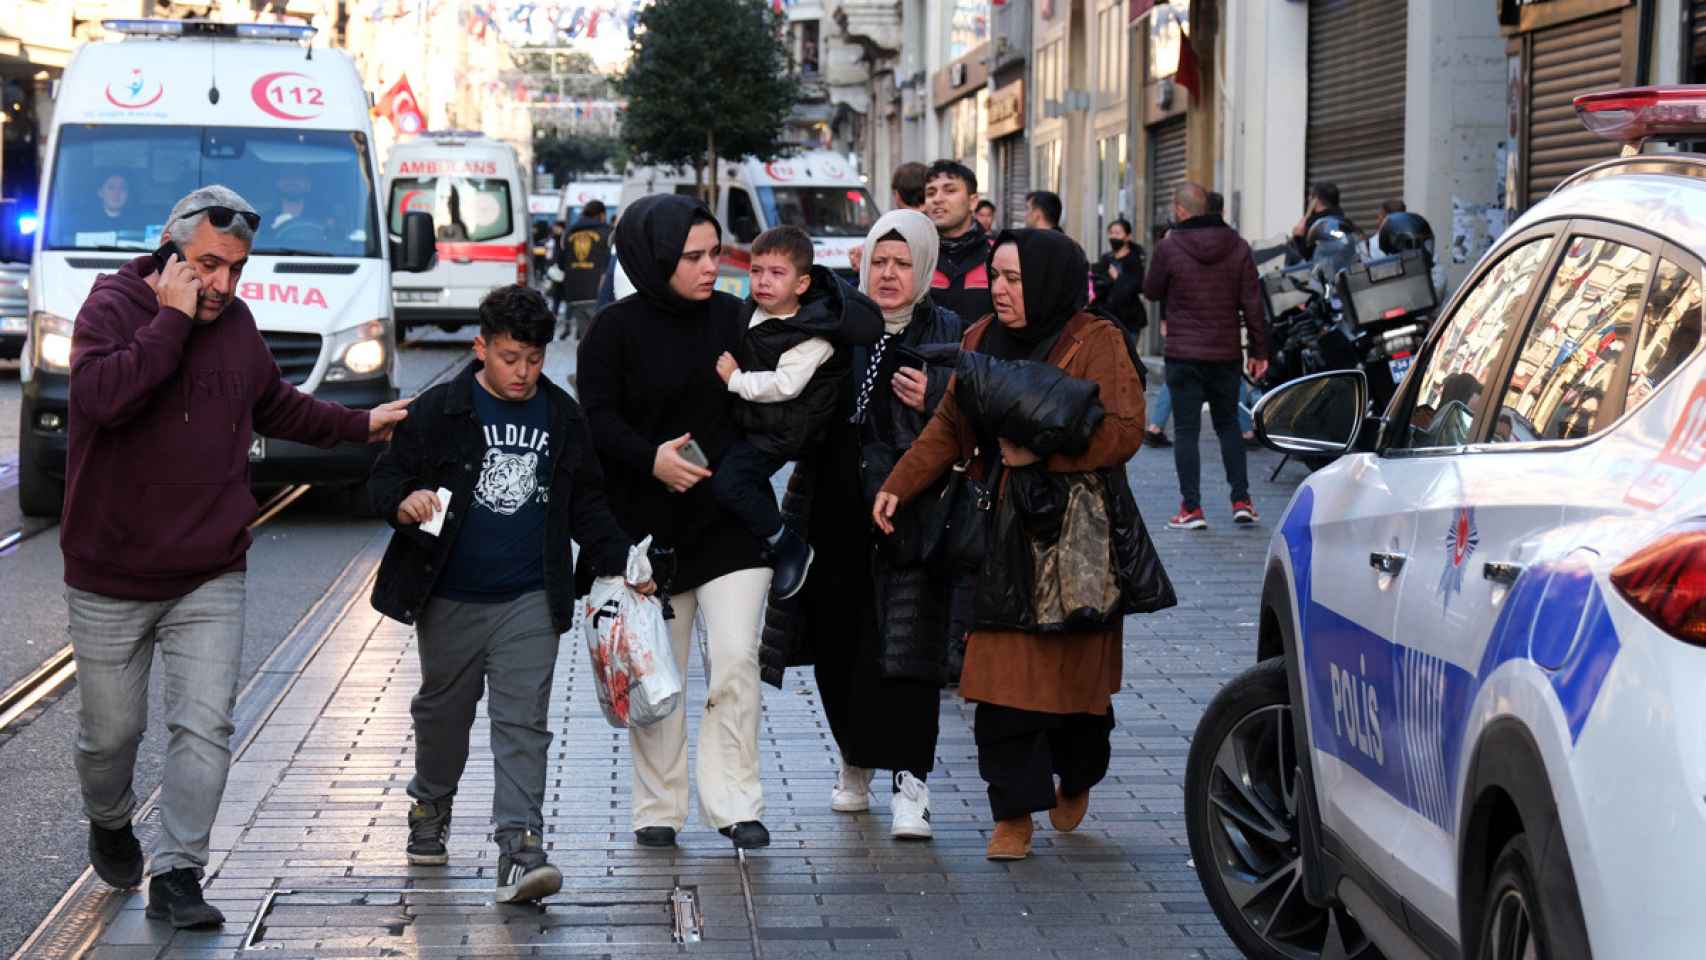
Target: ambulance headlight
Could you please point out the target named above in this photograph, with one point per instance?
(360, 353)
(51, 335)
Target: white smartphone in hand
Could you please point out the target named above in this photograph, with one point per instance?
(436, 524)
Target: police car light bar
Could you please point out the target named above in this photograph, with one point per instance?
(1639, 114)
(206, 28)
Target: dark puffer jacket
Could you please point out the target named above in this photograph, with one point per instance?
(826, 503)
(1205, 276)
(1035, 405)
(830, 310)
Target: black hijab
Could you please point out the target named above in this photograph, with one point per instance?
(649, 240)
(1055, 275)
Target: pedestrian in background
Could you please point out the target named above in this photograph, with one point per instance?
(985, 214)
(170, 381)
(961, 281)
(1043, 210)
(660, 416)
(907, 186)
(1155, 433)
(1205, 274)
(584, 257)
(1044, 700)
(492, 589)
(876, 622)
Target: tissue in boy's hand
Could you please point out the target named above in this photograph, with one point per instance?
(436, 524)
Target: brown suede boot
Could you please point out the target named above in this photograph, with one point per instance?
(1068, 812)
(1011, 839)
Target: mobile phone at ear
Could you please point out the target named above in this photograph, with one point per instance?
(691, 452)
(164, 253)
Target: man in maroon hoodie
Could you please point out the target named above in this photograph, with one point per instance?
(169, 382)
(1205, 277)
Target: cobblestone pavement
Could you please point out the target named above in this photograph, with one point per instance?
(309, 844)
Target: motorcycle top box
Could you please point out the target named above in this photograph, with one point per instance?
(1388, 290)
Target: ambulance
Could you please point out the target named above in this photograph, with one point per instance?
(476, 191)
(579, 193)
(175, 105)
(817, 190)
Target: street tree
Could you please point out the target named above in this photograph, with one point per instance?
(708, 79)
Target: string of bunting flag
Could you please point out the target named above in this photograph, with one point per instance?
(528, 21)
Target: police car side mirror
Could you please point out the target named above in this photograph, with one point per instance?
(1317, 415)
(419, 249)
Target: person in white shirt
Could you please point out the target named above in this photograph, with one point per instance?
(786, 376)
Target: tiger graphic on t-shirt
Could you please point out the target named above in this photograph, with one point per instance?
(507, 481)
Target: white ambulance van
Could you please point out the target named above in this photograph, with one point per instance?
(579, 193)
(176, 105)
(476, 191)
(818, 191)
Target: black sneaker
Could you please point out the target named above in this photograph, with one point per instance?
(115, 855)
(655, 836)
(747, 835)
(793, 558)
(1157, 439)
(175, 896)
(429, 825)
(524, 874)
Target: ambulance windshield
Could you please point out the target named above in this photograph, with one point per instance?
(114, 184)
(820, 211)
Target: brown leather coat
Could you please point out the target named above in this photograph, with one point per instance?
(1053, 673)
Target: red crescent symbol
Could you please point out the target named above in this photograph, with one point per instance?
(135, 106)
(258, 93)
(779, 171)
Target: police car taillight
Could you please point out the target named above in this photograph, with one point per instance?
(1639, 114)
(1666, 582)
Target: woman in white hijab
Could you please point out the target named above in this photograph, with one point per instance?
(873, 619)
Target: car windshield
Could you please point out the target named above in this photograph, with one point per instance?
(820, 211)
(114, 184)
(462, 208)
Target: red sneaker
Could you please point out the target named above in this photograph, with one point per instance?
(1243, 511)
(1191, 519)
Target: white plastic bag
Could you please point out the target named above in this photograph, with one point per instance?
(633, 661)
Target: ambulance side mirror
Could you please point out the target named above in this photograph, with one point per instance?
(418, 251)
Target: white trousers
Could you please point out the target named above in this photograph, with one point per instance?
(727, 768)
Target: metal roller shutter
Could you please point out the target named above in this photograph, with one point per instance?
(1166, 169)
(1569, 60)
(1015, 180)
(1356, 102)
(1697, 60)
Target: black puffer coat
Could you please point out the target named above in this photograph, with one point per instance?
(855, 594)
(1035, 405)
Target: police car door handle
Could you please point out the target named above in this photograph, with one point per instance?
(1387, 563)
(1504, 573)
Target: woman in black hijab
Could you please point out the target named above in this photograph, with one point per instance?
(1044, 701)
(649, 384)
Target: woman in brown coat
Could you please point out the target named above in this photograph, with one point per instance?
(1044, 700)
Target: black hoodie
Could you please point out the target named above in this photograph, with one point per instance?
(1205, 275)
(830, 310)
(648, 375)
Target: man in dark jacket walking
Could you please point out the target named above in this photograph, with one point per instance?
(961, 281)
(1206, 275)
(170, 380)
(491, 589)
(584, 255)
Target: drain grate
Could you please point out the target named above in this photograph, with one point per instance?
(423, 921)
(688, 916)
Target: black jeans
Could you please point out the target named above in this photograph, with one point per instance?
(1191, 382)
(1020, 752)
(741, 485)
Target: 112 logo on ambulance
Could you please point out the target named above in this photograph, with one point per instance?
(288, 95)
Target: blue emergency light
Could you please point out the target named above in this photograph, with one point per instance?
(27, 223)
(205, 28)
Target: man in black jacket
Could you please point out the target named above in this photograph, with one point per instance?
(484, 574)
(961, 281)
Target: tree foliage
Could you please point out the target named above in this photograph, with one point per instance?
(567, 156)
(707, 78)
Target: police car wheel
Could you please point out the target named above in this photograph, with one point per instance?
(1516, 921)
(1241, 813)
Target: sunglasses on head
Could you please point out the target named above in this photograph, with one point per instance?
(221, 216)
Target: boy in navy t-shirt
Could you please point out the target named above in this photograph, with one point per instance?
(492, 590)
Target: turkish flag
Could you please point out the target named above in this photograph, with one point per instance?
(1189, 74)
(400, 105)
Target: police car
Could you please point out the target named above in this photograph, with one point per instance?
(1477, 726)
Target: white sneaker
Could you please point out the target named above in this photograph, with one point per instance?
(910, 809)
(852, 792)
